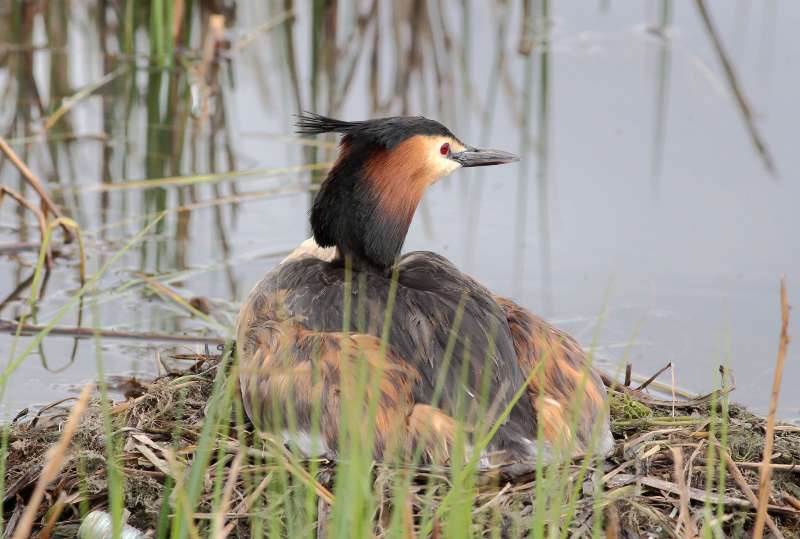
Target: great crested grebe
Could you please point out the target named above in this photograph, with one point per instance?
(293, 348)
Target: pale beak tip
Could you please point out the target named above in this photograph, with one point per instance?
(476, 157)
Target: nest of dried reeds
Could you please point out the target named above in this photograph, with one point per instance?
(663, 479)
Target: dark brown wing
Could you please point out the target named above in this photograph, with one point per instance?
(564, 385)
(287, 370)
(432, 298)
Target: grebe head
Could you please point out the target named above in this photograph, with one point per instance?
(365, 205)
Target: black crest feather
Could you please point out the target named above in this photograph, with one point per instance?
(309, 123)
(385, 132)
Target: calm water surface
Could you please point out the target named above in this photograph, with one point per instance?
(642, 217)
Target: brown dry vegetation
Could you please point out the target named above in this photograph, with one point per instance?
(159, 429)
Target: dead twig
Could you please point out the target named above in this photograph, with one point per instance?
(656, 375)
(7, 326)
(791, 500)
(694, 493)
(759, 465)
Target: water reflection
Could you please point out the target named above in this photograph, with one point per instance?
(543, 169)
(736, 88)
(660, 30)
(126, 112)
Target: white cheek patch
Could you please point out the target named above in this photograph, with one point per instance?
(447, 166)
(442, 164)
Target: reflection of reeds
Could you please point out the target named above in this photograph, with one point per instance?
(521, 210)
(499, 65)
(662, 89)
(168, 82)
(736, 89)
(182, 94)
(543, 164)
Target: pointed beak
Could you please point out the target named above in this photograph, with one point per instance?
(478, 157)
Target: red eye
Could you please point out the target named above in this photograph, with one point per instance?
(445, 149)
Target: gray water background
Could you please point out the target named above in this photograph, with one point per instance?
(641, 217)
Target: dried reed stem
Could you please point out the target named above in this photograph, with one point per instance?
(672, 372)
(219, 516)
(766, 469)
(683, 494)
(31, 178)
(741, 482)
